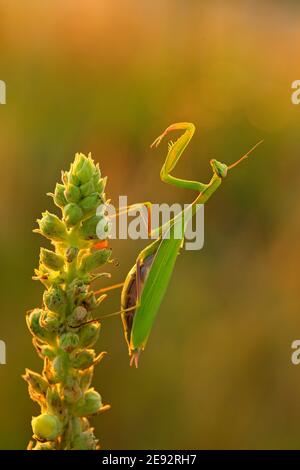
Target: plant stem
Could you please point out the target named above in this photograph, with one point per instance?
(63, 335)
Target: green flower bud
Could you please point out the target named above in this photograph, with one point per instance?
(78, 162)
(83, 359)
(54, 403)
(59, 196)
(60, 367)
(103, 228)
(36, 382)
(87, 188)
(78, 286)
(73, 179)
(68, 342)
(64, 177)
(89, 300)
(86, 170)
(51, 260)
(90, 202)
(55, 299)
(85, 441)
(78, 290)
(85, 425)
(50, 322)
(46, 427)
(52, 227)
(34, 325)
(72, 214)
(94, 260)
(72, 193)
(100, 184)
(71, 254)
(89, 226)
(80, 313)
(47, 351)
(97, 172)
(89, 334)
(47, 277)
(90, 404)
(86, 377)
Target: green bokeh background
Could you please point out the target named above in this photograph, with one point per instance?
(108, 77)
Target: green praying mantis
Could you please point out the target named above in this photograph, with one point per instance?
(146, 283)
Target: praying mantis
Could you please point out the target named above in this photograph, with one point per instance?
(146, 283)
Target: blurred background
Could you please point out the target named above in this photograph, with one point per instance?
(107, 77)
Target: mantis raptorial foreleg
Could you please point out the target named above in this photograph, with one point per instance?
(140, 205)
(103, 243)
(175, 150)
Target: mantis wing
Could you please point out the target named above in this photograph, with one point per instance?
(154, 290)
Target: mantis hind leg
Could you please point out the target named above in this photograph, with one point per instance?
(175, 150)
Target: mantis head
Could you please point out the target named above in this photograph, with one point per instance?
(220, 169)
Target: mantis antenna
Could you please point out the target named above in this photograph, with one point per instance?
(245, 156)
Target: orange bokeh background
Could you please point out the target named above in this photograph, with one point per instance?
(108, 77)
